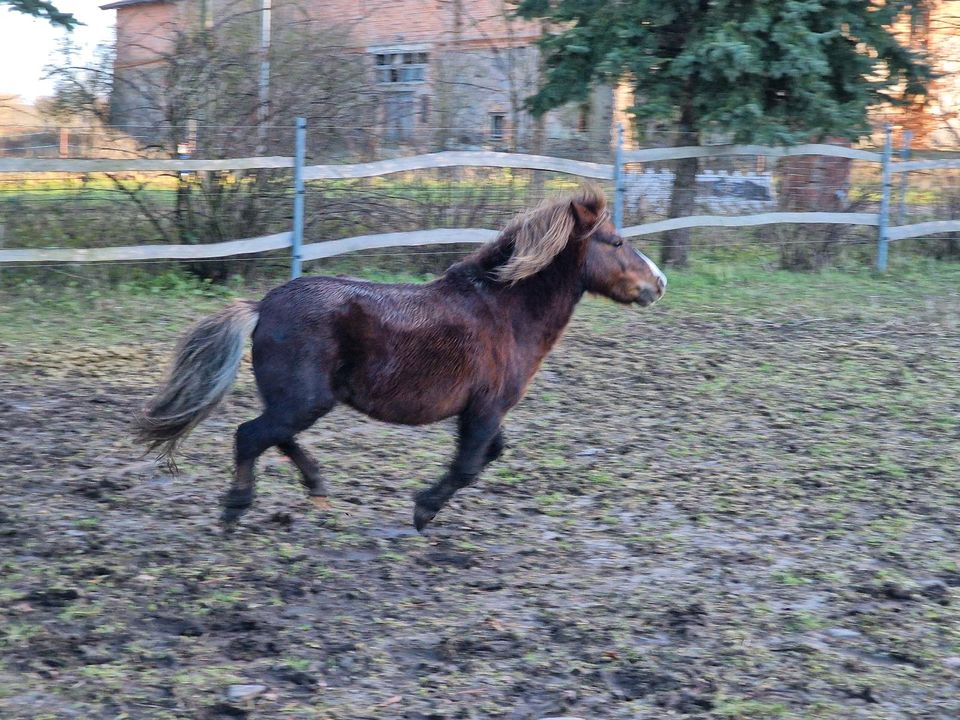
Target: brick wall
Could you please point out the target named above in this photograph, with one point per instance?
(145, 32)
(479, 67)
(934, 120)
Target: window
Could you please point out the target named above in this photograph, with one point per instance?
(498, 122)
(401, 67)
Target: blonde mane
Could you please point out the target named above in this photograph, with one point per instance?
(539, 235)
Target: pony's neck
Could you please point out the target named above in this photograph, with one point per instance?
(540, 306)
(543, 304)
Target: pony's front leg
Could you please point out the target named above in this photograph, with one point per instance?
(479, 441)
(495, 448)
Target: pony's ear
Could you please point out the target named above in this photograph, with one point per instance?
(585, 215)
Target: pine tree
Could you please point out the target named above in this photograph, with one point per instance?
(43, 9)
(765, 71)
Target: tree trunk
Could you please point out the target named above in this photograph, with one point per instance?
(812, 183)
(673, 249)
(538, 179)
(182, 212)
(538, 141)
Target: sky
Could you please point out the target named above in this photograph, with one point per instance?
(29, 44)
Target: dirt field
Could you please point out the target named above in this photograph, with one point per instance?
(742, 503)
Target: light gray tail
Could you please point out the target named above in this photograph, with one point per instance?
(204, 367)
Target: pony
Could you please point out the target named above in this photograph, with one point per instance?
(466, 344)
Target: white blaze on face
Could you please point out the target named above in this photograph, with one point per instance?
(657, 273)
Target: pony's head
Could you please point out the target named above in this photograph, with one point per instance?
(609, 265)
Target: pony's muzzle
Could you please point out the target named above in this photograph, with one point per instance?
(648, 294)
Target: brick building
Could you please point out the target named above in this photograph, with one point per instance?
(935, 121)
(440, 73)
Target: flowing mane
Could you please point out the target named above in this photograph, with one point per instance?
(539, 235)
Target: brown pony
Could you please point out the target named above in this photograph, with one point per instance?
(466, 344)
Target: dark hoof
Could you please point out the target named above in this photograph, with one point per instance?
(231, 516)
(235, 504)
(422, 517)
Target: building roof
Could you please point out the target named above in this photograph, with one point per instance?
(128, 3)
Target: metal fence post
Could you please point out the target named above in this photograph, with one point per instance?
(298, 193)
(618, 181)
(884, 218)
(904, 156)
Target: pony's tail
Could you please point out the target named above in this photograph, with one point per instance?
(204, 367)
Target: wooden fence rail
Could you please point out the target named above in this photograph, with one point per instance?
(453, 158)
(247, 246)
(692, 221)
(597, 171)
(718, 151)
(118, 166)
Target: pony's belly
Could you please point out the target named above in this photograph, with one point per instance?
(410, 383)
(407, 398)
(412, 410)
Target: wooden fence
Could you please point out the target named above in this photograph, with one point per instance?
(613, 172)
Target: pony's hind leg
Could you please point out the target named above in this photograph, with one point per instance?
(296, 392)
(252, 440)
(309, 471)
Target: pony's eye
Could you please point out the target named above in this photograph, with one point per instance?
(617, 243)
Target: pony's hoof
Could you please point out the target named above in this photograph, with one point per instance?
(235, 503)
(422, 517)
(230, 518)
(321, 502)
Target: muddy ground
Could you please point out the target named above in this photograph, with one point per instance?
(735, 506)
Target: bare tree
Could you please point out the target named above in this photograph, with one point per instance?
(200, 96)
